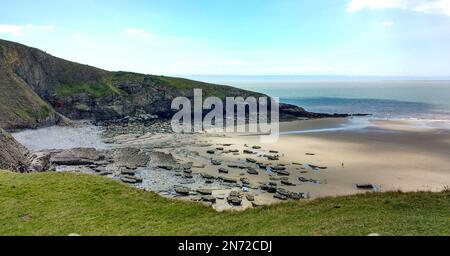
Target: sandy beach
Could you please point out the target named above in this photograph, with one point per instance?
(311, 159)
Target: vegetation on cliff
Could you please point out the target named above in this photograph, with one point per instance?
(35, 87)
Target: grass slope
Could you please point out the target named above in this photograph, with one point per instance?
(63, 203)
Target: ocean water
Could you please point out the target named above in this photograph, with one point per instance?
(423, 101)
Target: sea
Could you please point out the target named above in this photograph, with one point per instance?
(426, 101)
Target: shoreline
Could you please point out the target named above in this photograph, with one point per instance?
(390, 155)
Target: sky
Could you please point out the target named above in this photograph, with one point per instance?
(235, 37)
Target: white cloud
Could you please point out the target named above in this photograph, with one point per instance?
(137, 32)
(17, 30)
(12, 30)
(424, 6)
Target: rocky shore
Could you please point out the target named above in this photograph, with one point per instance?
(185, 166)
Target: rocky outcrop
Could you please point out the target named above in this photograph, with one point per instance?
(13, 156)
(38, 89)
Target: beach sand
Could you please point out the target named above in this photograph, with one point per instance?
(389, 155)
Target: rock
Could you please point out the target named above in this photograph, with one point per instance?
(272, 158)
(131, 158)
(227, 145)
(209, 198)
(278, 168)
(273, 151)
(249, 152)
(262, 166)
(76, 156)
(256, 147)
(223, 170)
(219, 148)
(252, 171)
(127, 172)
(188, 171)
(270, 187)
(251, 160)
(188, 176)
(165, 167)
(281, 197)
(207, 176)
(283, 172)
(129, 179)
(233, 166)
(39, 162)
(105, 173)
(211, 152)
(235, 198)
(287, 183)
(245, 181)
(310, 154)
(234, 150)
(204, 191)
(295, 163)
(364, 186)
(215, 162)
(250, 198)
(227, 180)
(303, 179)
(182, 191)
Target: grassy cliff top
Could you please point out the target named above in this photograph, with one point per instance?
(63, 203)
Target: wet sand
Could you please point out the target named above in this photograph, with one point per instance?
(391, 155)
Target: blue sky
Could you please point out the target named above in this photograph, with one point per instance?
(251, 37)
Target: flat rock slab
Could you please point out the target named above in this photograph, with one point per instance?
(76, 156)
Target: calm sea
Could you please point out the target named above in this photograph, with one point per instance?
(423, 100)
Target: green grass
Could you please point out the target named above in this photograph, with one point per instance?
(98, 89)
(63, 203)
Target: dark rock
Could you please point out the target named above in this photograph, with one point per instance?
(287, 183)
(365, 186)
(251, 160)
(165, 167)
(235, 198)
(215, 162)
(246, 151)
(223, 170)
(212, 152)
(283, 172)
(252, 171)
(127, 172)
(182, 191)
(227, 180)
(209, 198)
(256, 147)
(204, 191)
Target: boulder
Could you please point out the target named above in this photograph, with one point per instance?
(76, 156)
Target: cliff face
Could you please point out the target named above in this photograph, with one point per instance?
(38, 89)
(13, 156)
